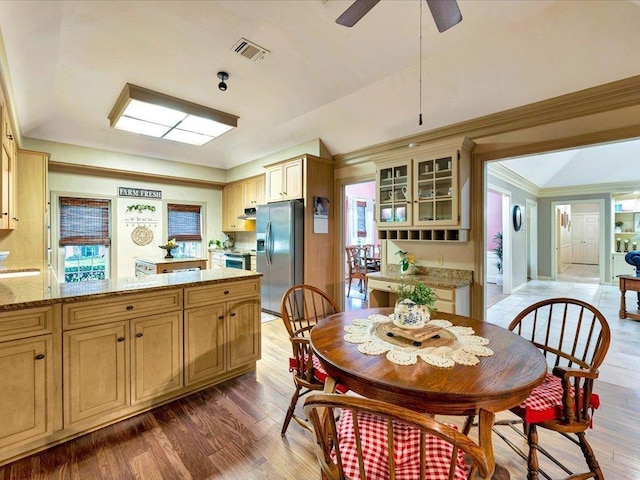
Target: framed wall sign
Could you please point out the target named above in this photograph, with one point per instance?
(517, 218)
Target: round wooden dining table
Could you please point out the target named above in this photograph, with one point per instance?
(499, 382)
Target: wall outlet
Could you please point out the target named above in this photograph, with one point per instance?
(440, 260)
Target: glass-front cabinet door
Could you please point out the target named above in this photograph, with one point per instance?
(436, 191)
(394, 196)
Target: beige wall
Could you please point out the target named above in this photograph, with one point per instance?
(76, 155)
(124, 249)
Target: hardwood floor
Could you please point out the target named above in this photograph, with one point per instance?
(232, 431)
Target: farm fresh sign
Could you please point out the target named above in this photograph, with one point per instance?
(139, 193)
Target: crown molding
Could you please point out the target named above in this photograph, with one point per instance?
(501, 172)
(599, 188)
(602, 98)
(78, 169)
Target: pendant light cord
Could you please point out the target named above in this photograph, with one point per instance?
(420, 66)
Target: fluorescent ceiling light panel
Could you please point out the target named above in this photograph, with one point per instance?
(144, 111)
(138, 126)
(184, 136)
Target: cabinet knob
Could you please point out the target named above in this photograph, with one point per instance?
(9, 136)
(165, 271)
(221, 317)
(121, 339)
(14, 219)
(139, 334)
(5, 213)
(226, 292)
(40, 356)
(233, 314)
(129, 307)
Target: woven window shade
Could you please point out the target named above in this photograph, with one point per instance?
(184, 222)
(84, 221)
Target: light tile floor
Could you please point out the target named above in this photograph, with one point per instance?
(620, 366)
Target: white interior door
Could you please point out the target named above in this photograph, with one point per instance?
(585, 238)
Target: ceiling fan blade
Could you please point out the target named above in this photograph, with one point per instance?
(355, 12)
(445, 12)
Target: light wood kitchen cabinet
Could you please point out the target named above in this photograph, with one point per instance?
(425, 195)
(8, 197)
(27, 391)
(81, 364)
(254, 191)
(221, 336)
(237, 196)
(232, 207)
(285, 181)
(204, 343)
(156, 356)
(119, 352)
(96, 373)
(30, 370)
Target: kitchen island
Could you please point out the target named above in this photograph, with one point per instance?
(76, 357)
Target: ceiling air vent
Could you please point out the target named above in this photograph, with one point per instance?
(249, 50)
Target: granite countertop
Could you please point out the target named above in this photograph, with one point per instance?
(432, 276)
(44, 289)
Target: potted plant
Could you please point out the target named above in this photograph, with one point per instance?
(497, 238)
(619, 225)
(215, 245)
(414, 305)
(407, 263)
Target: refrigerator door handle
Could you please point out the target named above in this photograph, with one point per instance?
(267, 247)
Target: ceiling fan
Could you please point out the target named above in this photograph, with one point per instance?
(445, 12)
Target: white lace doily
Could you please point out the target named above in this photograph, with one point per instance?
(464, 348)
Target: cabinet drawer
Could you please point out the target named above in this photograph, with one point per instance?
(96, 312)
(446, 294)
(220, 292)
(27, 323)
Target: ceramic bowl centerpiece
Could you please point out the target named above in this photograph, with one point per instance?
(414, 305)
(169, 246)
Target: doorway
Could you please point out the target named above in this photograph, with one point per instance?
(359, 228)
(579, 241)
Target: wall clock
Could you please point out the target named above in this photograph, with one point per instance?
(517, 218)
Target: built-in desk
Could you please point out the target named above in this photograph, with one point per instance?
(452, 288)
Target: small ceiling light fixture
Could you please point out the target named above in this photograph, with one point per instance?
(222, 76)
(143, 111)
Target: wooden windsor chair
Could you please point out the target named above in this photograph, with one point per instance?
(574, 338)
(302, 307)
(375, 439)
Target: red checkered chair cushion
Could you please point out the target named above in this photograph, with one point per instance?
(406, 450)
(545, 401)
(319, 373)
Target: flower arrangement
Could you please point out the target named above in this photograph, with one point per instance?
(407, 262)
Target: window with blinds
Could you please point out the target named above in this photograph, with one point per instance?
(84, 221)
(184, 222)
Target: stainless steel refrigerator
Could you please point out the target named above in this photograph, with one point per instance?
(279, 250)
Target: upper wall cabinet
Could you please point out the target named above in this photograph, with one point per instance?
(285, 181)
(237, 196)
(254, 191)
(8, 197)
(424, 194)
